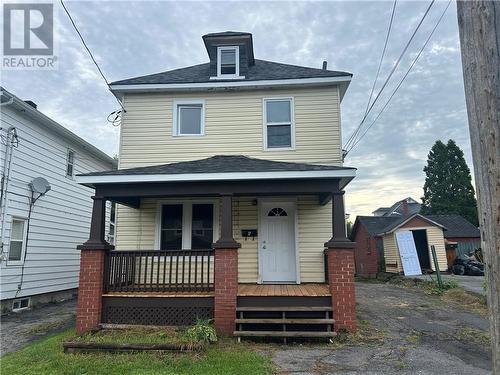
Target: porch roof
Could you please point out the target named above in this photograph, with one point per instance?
(220, 168)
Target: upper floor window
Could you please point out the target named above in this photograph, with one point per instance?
(189, 118)
(278, 124)
(17, 240)
(228, 62)
(70, 163)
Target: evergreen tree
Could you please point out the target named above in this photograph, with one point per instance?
(448, 185)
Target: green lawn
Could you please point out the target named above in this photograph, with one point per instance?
(46, 357)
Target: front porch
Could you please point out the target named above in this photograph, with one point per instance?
(276, 268)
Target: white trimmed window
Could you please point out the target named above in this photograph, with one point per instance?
(278, 124)
(70, 163)
(189, 118)
(228, 62)
(187, 225)
(17, 240)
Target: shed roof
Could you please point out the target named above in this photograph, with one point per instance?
(458, 227)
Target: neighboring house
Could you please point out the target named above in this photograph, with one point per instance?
(227, 173)
(39, 261)
(461, 237)
(404, 207)
(377, 249)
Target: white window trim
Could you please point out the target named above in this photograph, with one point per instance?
(292, 126)
(175, 113)
(237, 57)
(23, 249)
(186, 219)
(72, 164)
(21, 308)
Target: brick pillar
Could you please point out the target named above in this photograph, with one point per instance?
(226, 290)
(89, 305)
(92, 263)
(340, 266)
(226, 271)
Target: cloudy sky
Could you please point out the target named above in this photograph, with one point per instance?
(135, 38)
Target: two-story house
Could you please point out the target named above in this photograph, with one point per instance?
(230, 187)
(44, 213)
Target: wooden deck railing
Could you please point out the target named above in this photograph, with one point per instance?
(159, 271)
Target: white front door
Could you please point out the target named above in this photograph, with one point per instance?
(277, 242)
(408, 253)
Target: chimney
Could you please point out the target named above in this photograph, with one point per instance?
(325, 63)
(406, 210)
(29, 102)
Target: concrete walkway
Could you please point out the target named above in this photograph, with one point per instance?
(419, 335)
(19, 329)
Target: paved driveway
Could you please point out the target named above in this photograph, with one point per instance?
(19, 329)
(473, 284)
(423, 336)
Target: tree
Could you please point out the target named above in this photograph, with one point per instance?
(448, 185)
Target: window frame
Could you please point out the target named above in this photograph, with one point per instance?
(72, 175)
(265, 124)
(175, 117)
(187, 219)
(236, 74)
(11, 262)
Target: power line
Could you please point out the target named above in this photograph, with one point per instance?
(88, 50)
(404, 77)
(354, 134)
(392, 72)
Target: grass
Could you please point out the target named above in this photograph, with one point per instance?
(133, 336)
(470, 302)
(472, 335)
(46, 357)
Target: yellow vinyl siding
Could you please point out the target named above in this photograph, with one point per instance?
(391, 253)
(136, 229)
(315, 228)
(233, 126)
(434, 237)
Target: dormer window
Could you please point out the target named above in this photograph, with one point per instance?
(228, 62)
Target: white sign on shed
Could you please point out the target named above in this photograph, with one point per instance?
(408, 253)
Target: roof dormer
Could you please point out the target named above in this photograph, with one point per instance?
(230, 53)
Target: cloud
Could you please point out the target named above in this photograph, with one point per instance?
(131, 38)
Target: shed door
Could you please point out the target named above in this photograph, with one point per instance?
(408, 253)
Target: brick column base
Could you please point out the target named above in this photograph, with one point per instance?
(88, 311)
(340, 263)
(226, 290)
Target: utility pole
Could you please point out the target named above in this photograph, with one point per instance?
(479, 25)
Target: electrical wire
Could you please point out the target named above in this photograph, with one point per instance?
(354, 134)
(404, 77)
(396, 64)
(117, 119)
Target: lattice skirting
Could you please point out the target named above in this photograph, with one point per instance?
(169, 311)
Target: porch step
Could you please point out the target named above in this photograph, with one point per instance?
(283, 334)
(284, 308)
(284, 321)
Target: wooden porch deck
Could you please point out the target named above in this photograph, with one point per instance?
(244, 290)
(283, 290)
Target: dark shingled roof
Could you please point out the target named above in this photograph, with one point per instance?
(457, 226)
(376, 224)
(227, 33)
(262, 70)
(220, 164)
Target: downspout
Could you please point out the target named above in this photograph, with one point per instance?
(11, 136)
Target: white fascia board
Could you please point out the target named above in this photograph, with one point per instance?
(228, 84)
(233, 176)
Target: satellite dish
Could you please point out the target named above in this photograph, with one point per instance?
(39, 185)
